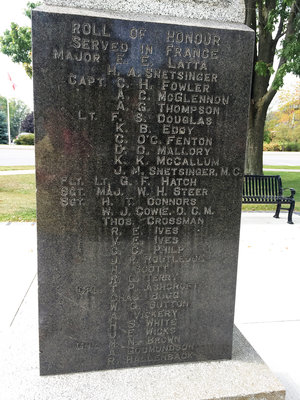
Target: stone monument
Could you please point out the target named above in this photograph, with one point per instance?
(140, 137)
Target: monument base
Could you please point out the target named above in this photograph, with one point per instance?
(245, 377)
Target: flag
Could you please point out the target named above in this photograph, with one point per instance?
(12, 83)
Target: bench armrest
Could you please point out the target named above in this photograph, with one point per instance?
(293, 191)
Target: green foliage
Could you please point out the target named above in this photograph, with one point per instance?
(278, 79)
(291, 50)
(292, 146)
(263, 69)
(282, 128)
(16, 42)
(25, 139)
(281, 146)
(3, 128)
(3, 124)
(3, 138)
(267, 134)
(276, 25)
(288, 49)
(17, 110)
(30, 7)
(280, 11)
(27, 124)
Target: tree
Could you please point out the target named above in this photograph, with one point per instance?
(289, 104)
(17, 111)
(276, 23)
(27, 124)
(16, 42)
(283, 125)
(3, 128)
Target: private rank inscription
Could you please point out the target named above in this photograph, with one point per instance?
(150, 143)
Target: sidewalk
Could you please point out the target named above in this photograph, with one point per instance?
(268, 294)
(267, 304)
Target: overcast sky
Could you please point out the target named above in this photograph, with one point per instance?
(13, 11)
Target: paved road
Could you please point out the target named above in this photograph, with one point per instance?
(21, 172)
(15, 155)
(291, 158)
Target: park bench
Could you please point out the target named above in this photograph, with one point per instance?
(267, 189)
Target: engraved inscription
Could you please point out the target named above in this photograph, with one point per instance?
(143, 146)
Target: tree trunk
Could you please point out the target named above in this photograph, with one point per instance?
(257, 17)
(255, 138)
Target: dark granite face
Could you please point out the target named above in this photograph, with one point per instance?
(140, 139)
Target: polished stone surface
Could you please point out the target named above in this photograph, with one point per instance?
(245, 377)
(219, 10)
(140, 139)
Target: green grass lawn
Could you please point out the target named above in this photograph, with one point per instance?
(17, 168)
(280, 167)
(17, 196)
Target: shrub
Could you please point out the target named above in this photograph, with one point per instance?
(27, 139)
(292, 146)
(282, 146)
(273, 146)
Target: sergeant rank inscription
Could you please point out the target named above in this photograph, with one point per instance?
(140, 140)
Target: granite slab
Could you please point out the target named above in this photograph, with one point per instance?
(140, 141)
(219, 10)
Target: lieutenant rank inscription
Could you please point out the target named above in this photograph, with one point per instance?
(140, 140)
